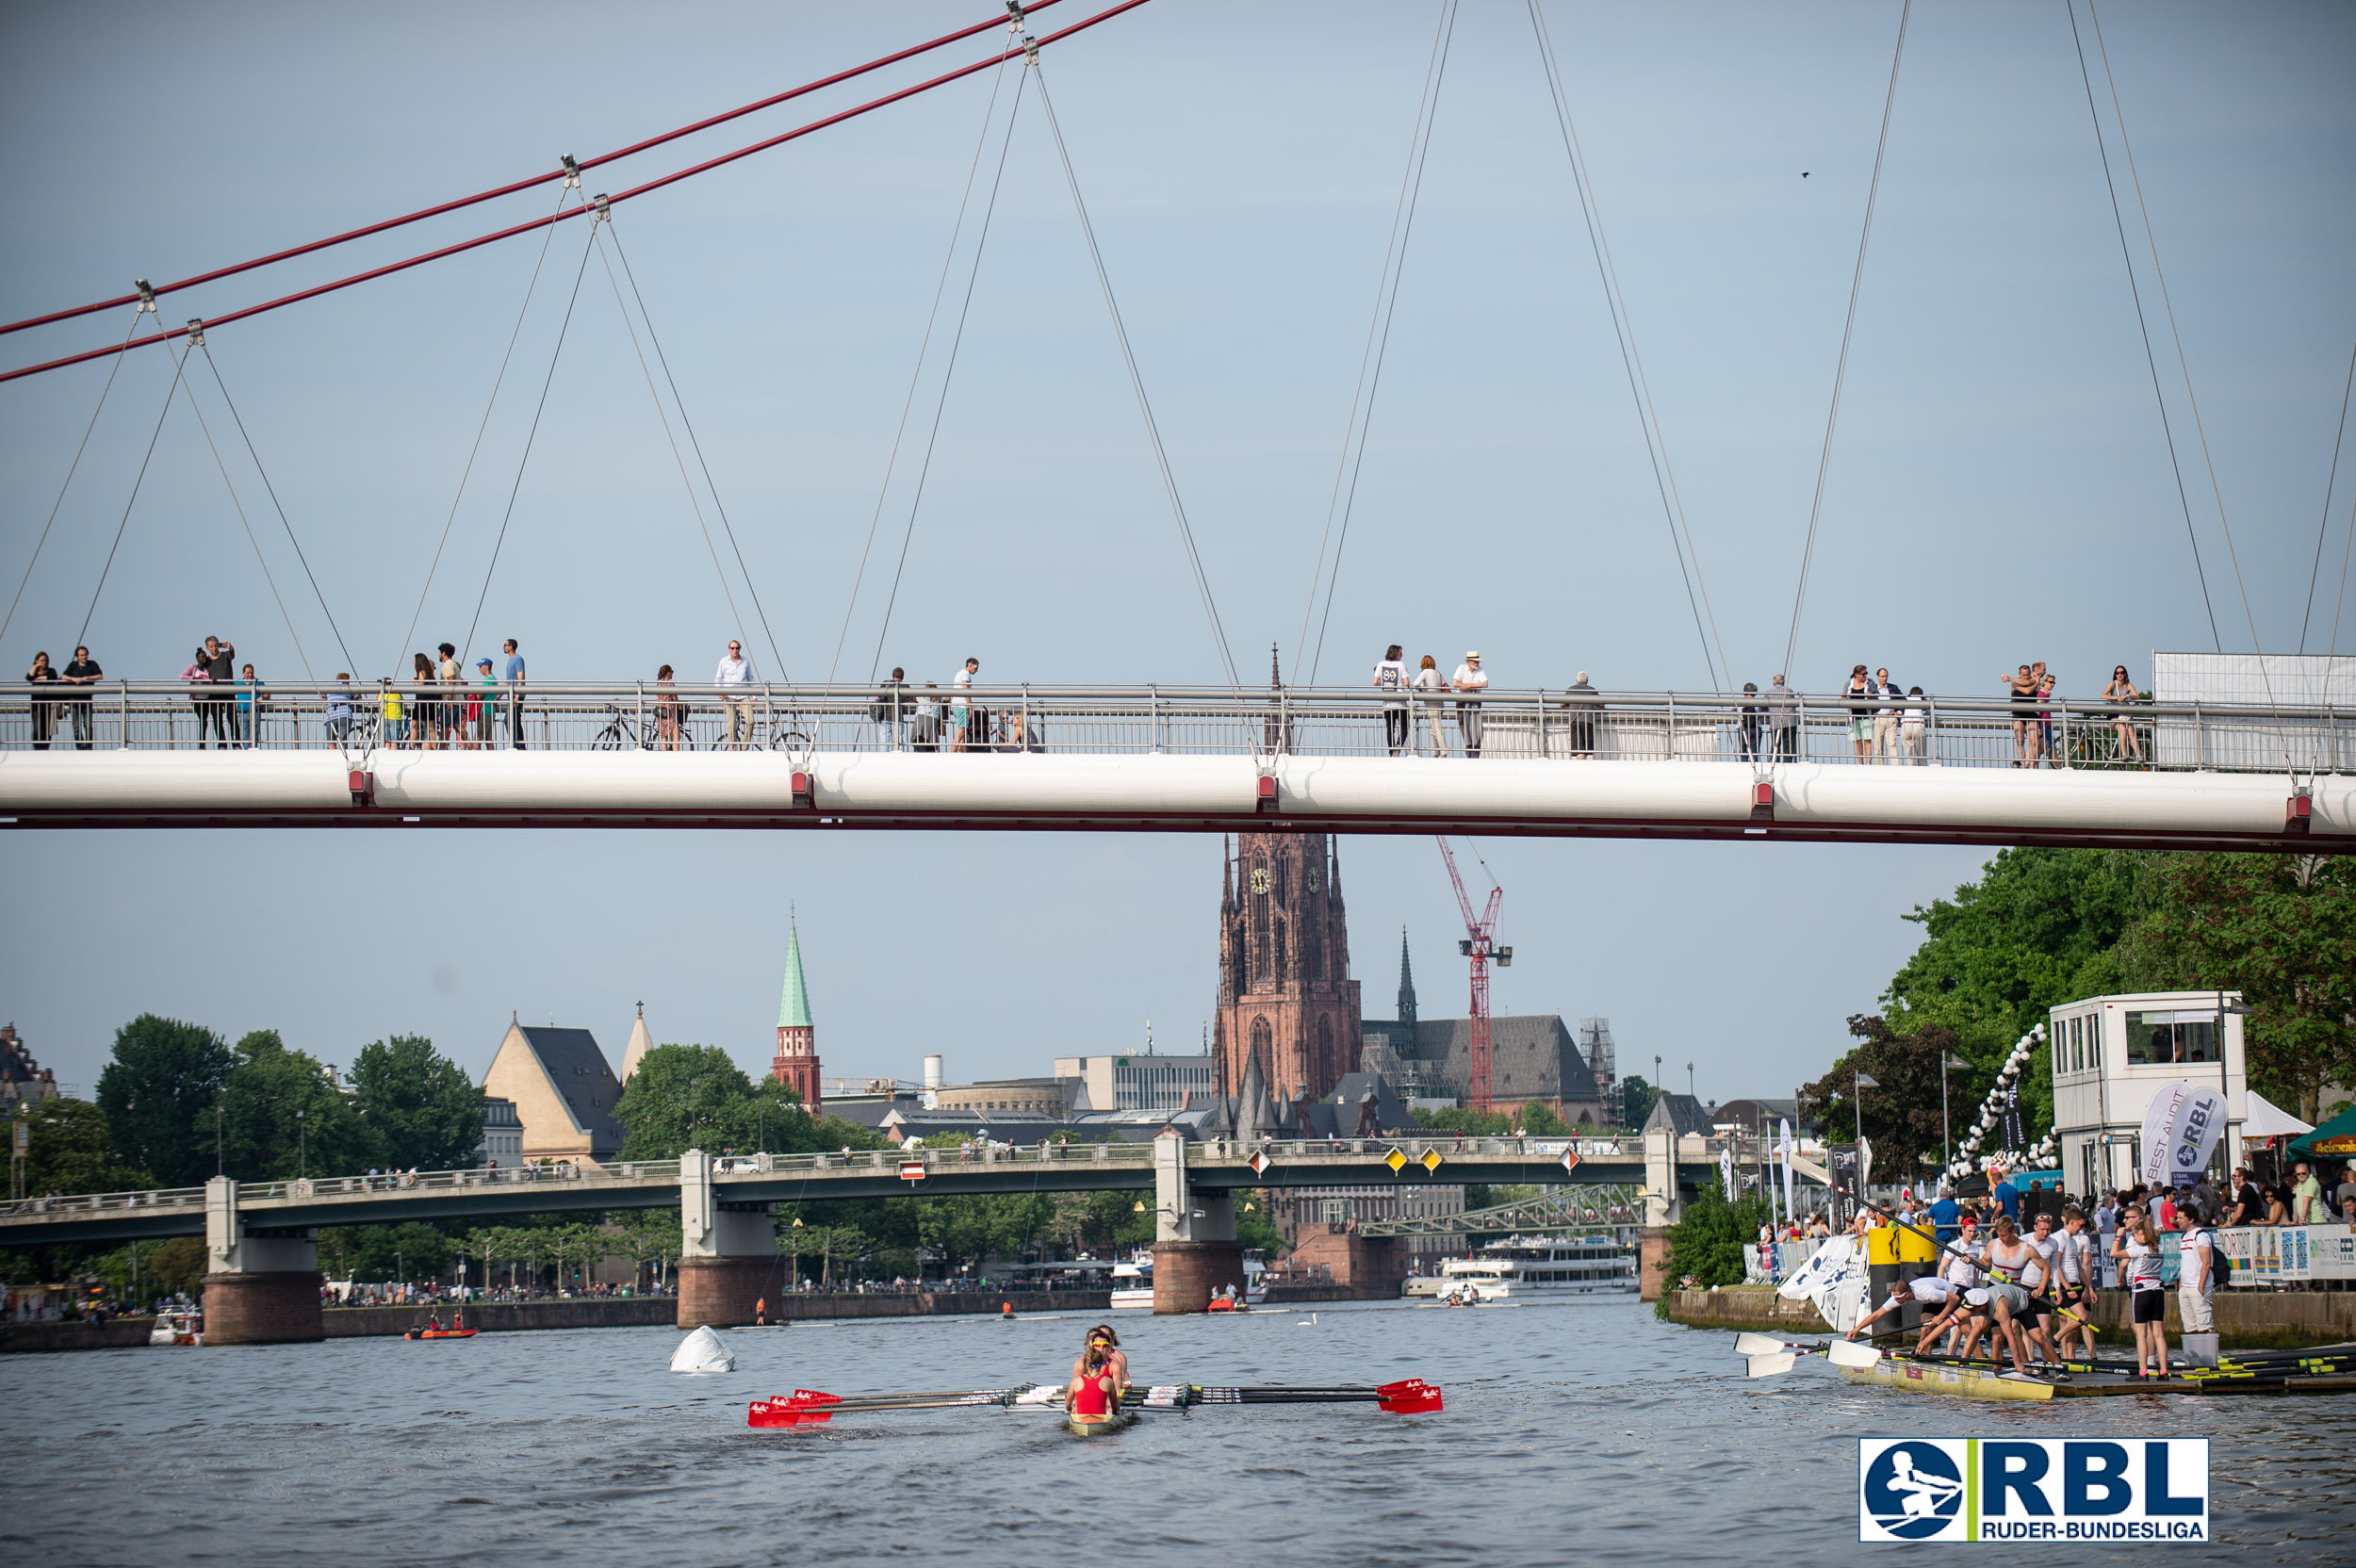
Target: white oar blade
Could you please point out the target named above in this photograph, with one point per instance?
(1769, 1366)
(1757, 1344)
(1847, 1352)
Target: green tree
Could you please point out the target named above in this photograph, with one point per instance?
(1709, 1242)
(421, 1108)
(2280, 929)
(1637, 1099)
(179, 1264)
(1539, 1121)
(265, 1141)
(159, 1094)
(1464, 1120)
(1901, 1114)
(73, 1150)
(387, 1253)
(687, 1097)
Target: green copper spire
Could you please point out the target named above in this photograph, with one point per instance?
(794, 1010)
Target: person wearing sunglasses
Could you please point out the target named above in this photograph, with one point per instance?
(2123, 690)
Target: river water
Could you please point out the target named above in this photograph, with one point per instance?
(1584, 1431)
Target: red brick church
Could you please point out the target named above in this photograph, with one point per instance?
(1285, 991)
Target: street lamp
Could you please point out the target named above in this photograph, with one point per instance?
(221, 1161)
(303, 1147)
(2224, 1083)
(1864, 1081)
(1946, 1128)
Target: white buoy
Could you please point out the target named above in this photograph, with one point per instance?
(702, 1351)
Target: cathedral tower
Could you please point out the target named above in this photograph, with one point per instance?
(1285, 998)
(797, 1061)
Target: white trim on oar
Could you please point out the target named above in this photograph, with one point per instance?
(1770, 1358)
(1771, 1366)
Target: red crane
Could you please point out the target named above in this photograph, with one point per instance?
(1477, 946)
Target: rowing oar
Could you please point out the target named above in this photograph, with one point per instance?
(1409, 1397)
(813, 1407)
(1770, 1358)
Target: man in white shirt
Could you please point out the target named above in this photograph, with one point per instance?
(1886, 719)
(2195, 1273)
(735, 680)
(1469, 677)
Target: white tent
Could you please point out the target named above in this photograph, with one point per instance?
(2269, 1121)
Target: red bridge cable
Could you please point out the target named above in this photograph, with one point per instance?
(574, 212)
(509, 189)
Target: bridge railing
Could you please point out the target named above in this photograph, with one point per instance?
(104, 1203)
(1177, 721)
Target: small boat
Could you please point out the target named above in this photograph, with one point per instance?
(1133, 1282)
(441, 1333)
(1097, 1426)
(177, 1328)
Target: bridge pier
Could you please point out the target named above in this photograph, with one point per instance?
(262, 1287)
(1195, 1249)
(729, 1256)
(1663, 1209)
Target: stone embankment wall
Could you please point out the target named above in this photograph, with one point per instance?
(2250, 1320)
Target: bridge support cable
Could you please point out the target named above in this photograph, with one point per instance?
(533, 436)
(777, 659)
(1385, 287)
(546, 238)
(277, 505)
(2119, 221)
(2329, 484)
(2184, 366)
(138, 483)
(1633, 363)
(618, 198)
(75, 466)
(916, 375)
(516, 186)
(1137, 382)
(1848, 331)
(695, 502)
(957, 344)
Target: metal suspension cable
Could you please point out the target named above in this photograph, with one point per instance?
(1374, 321)
(525, 462)
(514, 186)
(956, 343)
(137, 485)
(694, 503)
(1848, 330)
(650, 187)
(272, 491)
(1382, 349)
(75, 466)
(2119, 220)
(1631, 362)
(472, 453)
(777, 659)
(908, 405)
(1137, 382)
(197, 341)
(2325, 526)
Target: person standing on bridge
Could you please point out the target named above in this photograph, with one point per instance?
(1431, 684)
(1783, 709)
(2021, 687)
(219, 661)
(735, 680)
(962, 714)
(515, 694)
(1390, 677)
(1886, 720)
(80, 675)
(1469, 677)
(890, 711)
(42, 675)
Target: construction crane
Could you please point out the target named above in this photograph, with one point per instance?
(1478, 947)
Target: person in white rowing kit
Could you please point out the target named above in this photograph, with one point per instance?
(1966, 1318)
(2075, 1263)
(1929, 1289)
(2015, 1272)
(2195, 1273)
(2138, 1249)
(2043, 1305)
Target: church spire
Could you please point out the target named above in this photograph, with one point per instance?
(793, 1008)
(1406, 983)
(797, 1061)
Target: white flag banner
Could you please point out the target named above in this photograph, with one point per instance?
(2180, 1132)
(1785, 1149)
(1834, 1278)
(1726, 1172)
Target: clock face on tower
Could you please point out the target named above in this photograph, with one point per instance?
(1313, 879)
(1259, 879)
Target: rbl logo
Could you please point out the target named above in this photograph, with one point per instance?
(2036, 1489)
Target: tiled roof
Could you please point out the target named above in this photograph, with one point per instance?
(579, 1071)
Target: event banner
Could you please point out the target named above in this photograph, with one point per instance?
(2289, 1255)
(2180, 1130)
(2054, 1488)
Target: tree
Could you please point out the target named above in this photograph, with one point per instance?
(265, 1139)
(687, 1097)
(421, 1110)
(387, 1253)
(1464, 1120)
(179, 1264)
(1539, 1121)
(1637, 1099)
(1710, 1242)
(159, 1094)
(2281, 930)
(650, 1236)
(1902, 1114)
(73, 1150)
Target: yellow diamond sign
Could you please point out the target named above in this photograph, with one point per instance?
(1431, 1159)
(1397, 1161)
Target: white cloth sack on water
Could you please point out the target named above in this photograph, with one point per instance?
(1835, 1279)
(702, 1351)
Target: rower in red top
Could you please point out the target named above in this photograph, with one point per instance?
(1102, 1338)
(1094, 1391)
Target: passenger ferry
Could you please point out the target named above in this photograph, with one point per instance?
(1525, 1268)
(1133, 1282)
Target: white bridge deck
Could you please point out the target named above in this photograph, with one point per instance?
(1148, 759)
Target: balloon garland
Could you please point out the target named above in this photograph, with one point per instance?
(1991, 1114)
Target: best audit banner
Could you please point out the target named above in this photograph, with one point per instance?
(1963, 1489)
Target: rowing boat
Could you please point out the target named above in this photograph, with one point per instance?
(1967, 1382)
(1097, 1426)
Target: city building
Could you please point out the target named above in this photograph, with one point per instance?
(797, 1061)
(2112, 1054)
(502, 1142)
(1047, 1097)
(1138, 1083)
(1756, 1117)
(1683, 1114)
(564, 1091)
(22, 1079)
(1531, 1056)
(1285, 999)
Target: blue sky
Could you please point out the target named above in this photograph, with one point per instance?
(1999, 490)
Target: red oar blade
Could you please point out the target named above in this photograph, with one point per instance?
(1409, 1397)
(803, 1406)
